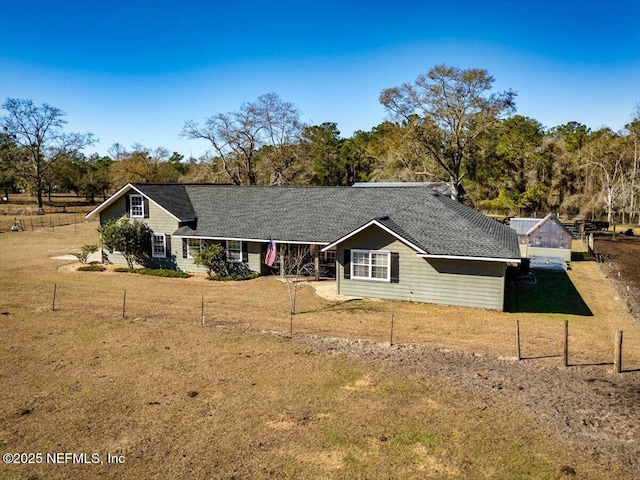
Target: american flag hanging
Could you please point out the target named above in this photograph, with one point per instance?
(270, 257)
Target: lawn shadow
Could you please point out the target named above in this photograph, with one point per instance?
(600, 364)
(581, 257)
(540, 357)
(552, 292)
(352, 305)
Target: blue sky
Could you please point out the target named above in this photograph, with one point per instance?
(135, 71)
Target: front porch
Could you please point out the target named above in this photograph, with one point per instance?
(302, 260)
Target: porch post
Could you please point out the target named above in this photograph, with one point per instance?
(316, 262)
(282, 262)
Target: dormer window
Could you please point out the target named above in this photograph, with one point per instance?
(136, 206)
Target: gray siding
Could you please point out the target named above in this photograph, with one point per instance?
(159, 221)
(184, 264)
(187, 265)
(448, 282)
(116, 210)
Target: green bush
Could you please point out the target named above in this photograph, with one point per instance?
(237, 277)
(155, 272)
(212, 256)
(91, 268)
(161, 272)
(131, 238)
(87, 250)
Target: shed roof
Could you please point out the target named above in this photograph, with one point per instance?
(526, 226)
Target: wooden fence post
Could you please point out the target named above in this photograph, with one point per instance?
(566, 344)
(124, 303)
(53, 305)
(391, 338)
(518, 340)
(202, 309)
(617, 353)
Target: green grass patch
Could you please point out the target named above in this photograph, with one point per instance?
(154, 272)
(414, 436)
(335, 437)
(91, 268)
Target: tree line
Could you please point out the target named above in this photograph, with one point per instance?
(448, 125)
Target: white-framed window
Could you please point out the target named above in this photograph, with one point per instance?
(330, 256)
(136, 206)
(193, 245)
(158, 245)
(234, 251)
(371, 265)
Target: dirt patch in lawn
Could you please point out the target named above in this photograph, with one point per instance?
(621, 264)
(595, 411)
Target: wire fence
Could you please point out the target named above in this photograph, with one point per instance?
(199, 308)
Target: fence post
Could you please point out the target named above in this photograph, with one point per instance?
(566, 344)
(202, 309)
(53, 305)
(617, 353)
(391, 338)
(124, 303)
(518, 340)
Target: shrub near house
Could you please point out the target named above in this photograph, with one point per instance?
(131, 238)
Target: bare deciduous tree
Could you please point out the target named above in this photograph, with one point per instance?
(448, 109)
(269, 123)
(296, 265)
(607, 158)
(37, 131)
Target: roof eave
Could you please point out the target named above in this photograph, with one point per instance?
(110, 200)
(466, 257)
(121, 192)
(367, 225)
(247, 239)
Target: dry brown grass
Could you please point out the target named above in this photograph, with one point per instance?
(22, 211)
(265, 406)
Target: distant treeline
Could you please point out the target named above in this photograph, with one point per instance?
(447, 126)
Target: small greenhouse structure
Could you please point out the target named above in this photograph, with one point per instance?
(543, 238)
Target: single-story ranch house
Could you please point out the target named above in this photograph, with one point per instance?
(389, 242)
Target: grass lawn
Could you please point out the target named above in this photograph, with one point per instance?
(227, 401)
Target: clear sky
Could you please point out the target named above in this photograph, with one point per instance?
(134, 71)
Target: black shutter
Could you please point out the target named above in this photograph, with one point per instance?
(145, 202)
(127, 205)
(245, 252)
(167, 246)
(184, 248)
(223, 244)
(347, 263)
(395, 267)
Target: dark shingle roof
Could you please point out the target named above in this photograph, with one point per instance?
(433, 222)
(170, 196)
